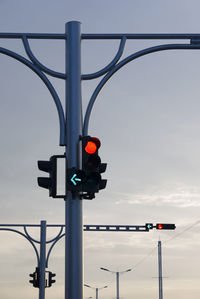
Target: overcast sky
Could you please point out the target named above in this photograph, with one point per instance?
(147, 118)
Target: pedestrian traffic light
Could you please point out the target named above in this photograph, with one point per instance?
(51, 281)
(36, 278)
(165, 226)
(149, 226)
(92, 166)
(49, 182)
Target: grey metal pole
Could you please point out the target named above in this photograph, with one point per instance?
(42, 264)
(117, 284)
(160, 270)
(73, 204)
(97, 295)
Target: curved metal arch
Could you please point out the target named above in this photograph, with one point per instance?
(37, 63)
(51, 247)
(58, 235)
(123, 63)
(20, 233)
(29, 237)
(110, 65)
(48, 85)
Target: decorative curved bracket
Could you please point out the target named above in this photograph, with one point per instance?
(110, 65)
(122, 63)
(48, 84)
(31, 240)
(26, 237)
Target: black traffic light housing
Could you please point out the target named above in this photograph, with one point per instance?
(88, 181)
(36, 278)
(149, 226)
(51, 281)
(165, 226)
(92, 166)
(51, 181)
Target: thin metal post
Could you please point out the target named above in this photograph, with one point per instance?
(42, 264)
(117, 284)
(160, 270)
(73, 204)
(97, 295)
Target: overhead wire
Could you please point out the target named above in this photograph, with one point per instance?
(164, 242)
(183, 231)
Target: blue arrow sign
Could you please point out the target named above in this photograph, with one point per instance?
(75, 180)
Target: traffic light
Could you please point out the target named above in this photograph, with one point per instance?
(92, 166)
(88, 180)
(165, 226)
(51, 281)
(149, 226)
(49, 182)
(36, 278)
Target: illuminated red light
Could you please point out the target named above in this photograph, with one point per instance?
(160, 226)
(91, 147)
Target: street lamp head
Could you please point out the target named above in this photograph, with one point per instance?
(104, 269)
(128, 270)
(86, 285)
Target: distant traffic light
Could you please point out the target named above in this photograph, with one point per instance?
(88, 180)
(36, 278)
(51, 281)
(149, 226)
(165, 226)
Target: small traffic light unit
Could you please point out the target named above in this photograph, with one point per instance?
(165, 226)
(48, 182)
(149, 226)
(160, 226)
(36, 278)
(50, 280)
(88, 181)
(51, 181)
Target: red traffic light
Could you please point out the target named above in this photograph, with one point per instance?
(160, 226)
(165, 226)
(92, 145)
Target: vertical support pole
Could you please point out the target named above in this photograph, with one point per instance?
(97, 295)
(42, 263)
(73, 203)
(117, 284)
(160, 270)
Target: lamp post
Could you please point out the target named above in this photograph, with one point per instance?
(73, 124)
(96, 289)
(117, 278)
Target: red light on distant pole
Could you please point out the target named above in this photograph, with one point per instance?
(165, 226)
(160, 226)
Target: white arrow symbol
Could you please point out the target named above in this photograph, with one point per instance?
(74, 180)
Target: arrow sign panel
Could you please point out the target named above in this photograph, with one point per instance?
(75, 179)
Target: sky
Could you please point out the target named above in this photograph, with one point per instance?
(147, 118)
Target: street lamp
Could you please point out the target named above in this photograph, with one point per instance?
(96, 289)
(117, 277)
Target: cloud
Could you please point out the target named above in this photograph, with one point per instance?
(180, 197)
